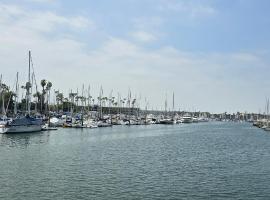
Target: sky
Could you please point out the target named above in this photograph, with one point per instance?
(212, 54)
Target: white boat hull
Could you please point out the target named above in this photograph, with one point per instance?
(167, 121)
(267, 128)
(3, 129)
(56, 122)
(187, 121)
(24, 129)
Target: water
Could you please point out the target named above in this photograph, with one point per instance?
(193, 161)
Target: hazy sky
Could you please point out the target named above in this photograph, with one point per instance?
(214, 54)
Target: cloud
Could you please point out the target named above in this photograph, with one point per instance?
(143, 36)
(42, 1)
(147, 29)
(46, 21)
(147, 23)
(246, 57)
(205, 81)
(192, 9)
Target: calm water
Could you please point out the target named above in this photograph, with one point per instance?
(195, 161)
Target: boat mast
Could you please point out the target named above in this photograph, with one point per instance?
(82, 101)
(146, 104)
(267, 111)
(16, 94)
(2, 96)
(173, 107)
(166, 105)
(28, 85)
(72, 102)
(129, 99)
(88, 98)
(110, 105)
(100, 102)
(173, 102)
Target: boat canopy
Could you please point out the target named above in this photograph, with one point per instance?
(27, 120)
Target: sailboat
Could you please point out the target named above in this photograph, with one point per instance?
(25, 124)
(266, 127)
(167, 120)
(3, 118)
(187, 119)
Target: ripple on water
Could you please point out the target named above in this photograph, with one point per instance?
(187, 161)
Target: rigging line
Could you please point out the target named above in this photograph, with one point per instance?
(10, 96)
(32, 64)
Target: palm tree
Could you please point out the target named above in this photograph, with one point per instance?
(65, 105)
(83, 100)
(48, 89)
(28, 86)
(6, 98)
(77, 98)
(89, 102)
(37, 95)
(122, 104)
(56, 92)
(133, 104)
(72, 97)
(104, 101)
(43, 83)
(60, 98)
(112, 99)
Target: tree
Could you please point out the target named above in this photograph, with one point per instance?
(104, 101)
(60, 98)
(65, 104)
(7, 97)
(56, 99)
(72, 97)
(43, 83)
(48, 89)
(37, 95)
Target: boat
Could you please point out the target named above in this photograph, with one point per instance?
(104, 124)
(267, 128)
(56, 122)
(68, 123)
(187, 119)
(46, 127)
(89, 123)
(266, 124)
(3, 118)
(118, 122)
(167, 121)
(203, 119)
(92, 126)
(195, 120)
(3, 123)
(25, 124)
(3, 128)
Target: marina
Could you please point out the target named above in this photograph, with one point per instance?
(34, 112)
(143, 100)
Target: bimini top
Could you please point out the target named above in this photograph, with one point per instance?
(27, 120)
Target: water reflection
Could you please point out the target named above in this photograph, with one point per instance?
(195, 161)
(23, 140)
